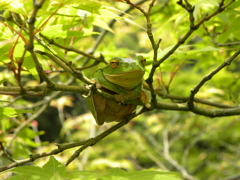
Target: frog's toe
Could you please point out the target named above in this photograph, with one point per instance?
(148, 104)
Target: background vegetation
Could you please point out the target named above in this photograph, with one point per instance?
(48, 48)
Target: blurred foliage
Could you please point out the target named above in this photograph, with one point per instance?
(55, 170)
(157, 141)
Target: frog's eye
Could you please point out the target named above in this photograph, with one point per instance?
(114, 63)
(143, 61)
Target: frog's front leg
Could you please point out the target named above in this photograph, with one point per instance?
(91, 87)
(144, 99)
(129, 96)
(98, 85)
(124, 97)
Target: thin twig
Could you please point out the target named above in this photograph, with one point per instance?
(215, 34)
(104, 32)
(155, 46)
(6, 153)
(184, 99)
(30, 45)
(84, 144)
(67, 66)
(51, 41)
(31, 118)
(171, 160)
(185, 37)
(208, 77)
(198, 110)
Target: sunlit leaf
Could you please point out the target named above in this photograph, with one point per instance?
(11, 112)
(91, 6)
(4, 5)
(53, 166)
(31, 67)
(102, 24)
(205, 4)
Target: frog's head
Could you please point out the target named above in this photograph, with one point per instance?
(125, 72)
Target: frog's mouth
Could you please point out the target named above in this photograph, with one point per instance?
(127, 80)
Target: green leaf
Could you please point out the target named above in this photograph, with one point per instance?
(52, 170)
(224, 16)
(29, 64)
(100, 23)
(207, 48)
(19, 49)
(83, 174)
(119, 174)
(90, 6)
(28, 173)
(20, 7)
(53, 166)
(11, 112)
(62, 31)
(203, 4)
(155, 175)
(28, 170)
(4, 5)
(2, 81)
(4, 50)
(56, 31)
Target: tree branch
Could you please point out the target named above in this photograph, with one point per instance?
(200, 111)
(51, 41)
(30, 44)
(104, 32)
(84, 144)
(183, 99)
(155, 46)
(208, 77)
(185, 37)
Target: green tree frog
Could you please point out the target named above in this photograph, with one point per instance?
(122, 77)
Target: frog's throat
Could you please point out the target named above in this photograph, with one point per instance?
(127, 80)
